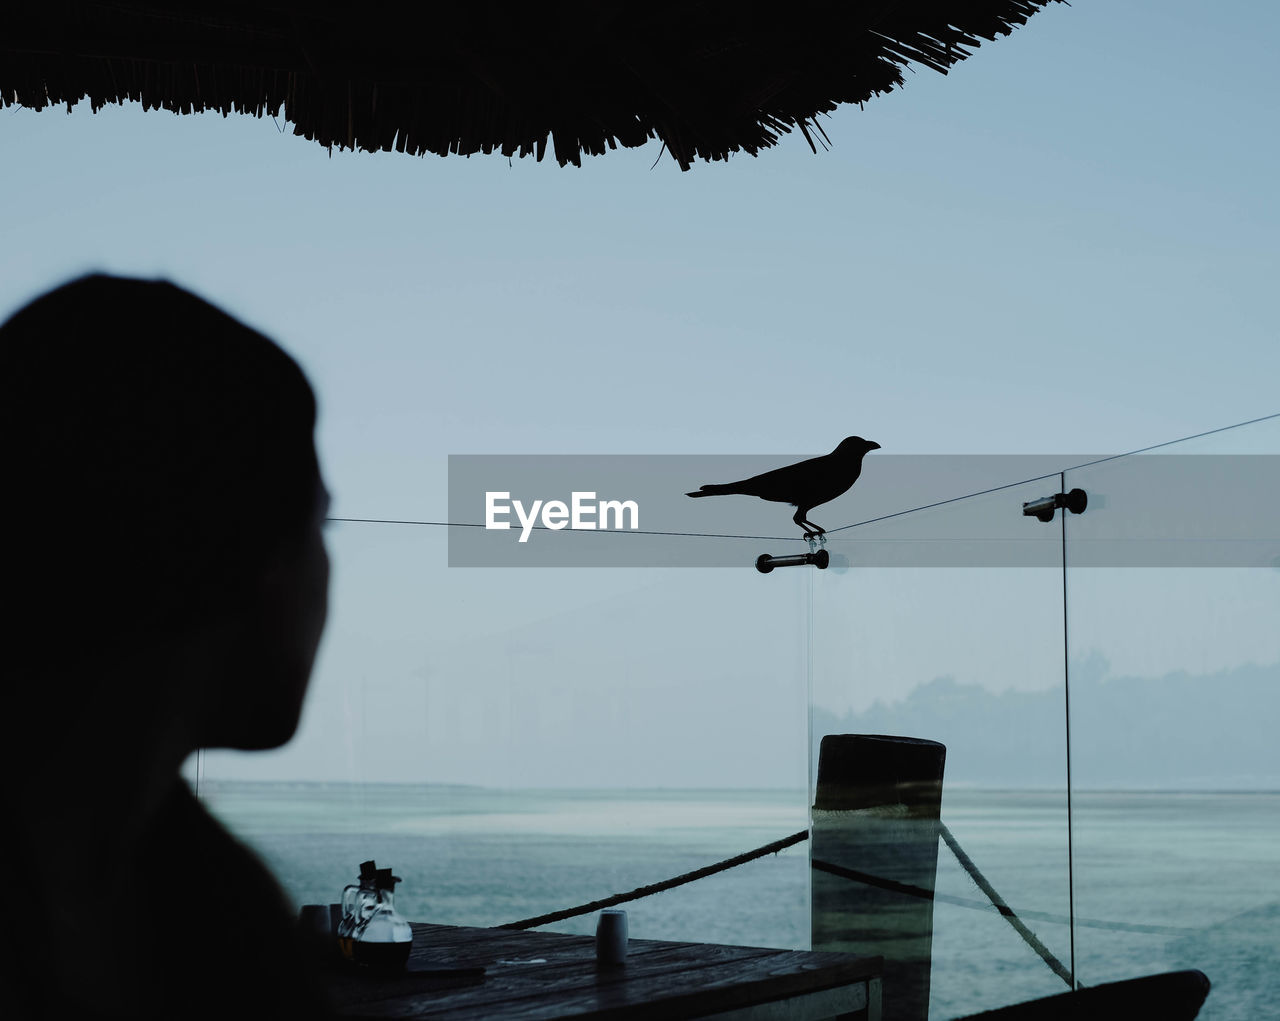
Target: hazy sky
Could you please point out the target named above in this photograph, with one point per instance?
(1068, 244)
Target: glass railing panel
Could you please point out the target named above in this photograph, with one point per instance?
(515, 741)
(957, 637)
(1175, 675)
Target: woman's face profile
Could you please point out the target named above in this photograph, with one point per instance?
(312, 593)
(261, 705)
(305, 598)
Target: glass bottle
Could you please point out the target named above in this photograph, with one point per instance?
(358, 901)
(383, 941)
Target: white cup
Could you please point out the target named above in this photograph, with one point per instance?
(316, 918)
(611, 936)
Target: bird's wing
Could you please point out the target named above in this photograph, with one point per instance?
(788, 483)
(828, 489)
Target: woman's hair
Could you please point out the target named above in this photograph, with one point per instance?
(157, 453)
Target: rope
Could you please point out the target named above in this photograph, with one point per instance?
(986, 905)
(668, 884)
(858, 876)
(1030, 937)
(993, 898)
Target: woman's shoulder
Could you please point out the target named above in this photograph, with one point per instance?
(226, 927)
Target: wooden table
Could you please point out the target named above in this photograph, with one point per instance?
(532, 976)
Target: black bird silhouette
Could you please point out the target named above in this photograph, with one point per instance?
(804, 485)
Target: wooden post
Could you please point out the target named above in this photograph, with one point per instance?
(874, 858)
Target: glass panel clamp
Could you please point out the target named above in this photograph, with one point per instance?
(1075, 501)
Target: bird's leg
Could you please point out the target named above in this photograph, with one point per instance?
(811, 530)
(817, 539)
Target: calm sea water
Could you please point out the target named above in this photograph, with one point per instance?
(1161, 880)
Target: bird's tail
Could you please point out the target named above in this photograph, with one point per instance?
(713, 490)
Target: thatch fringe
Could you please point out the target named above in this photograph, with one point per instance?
(709, 79)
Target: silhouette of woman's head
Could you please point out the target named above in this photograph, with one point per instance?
(162, 484)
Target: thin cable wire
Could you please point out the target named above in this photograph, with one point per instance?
(1066, 709)
(841, 528)
(809, 742)
(1184, 439)
(545, 528)
(942, 503)
(855, 524)
(1041, 478)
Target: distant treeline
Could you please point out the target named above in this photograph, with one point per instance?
(1176, 732)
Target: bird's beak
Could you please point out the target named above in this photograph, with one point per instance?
(872, 445)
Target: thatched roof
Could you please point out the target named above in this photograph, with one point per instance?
(707, 78)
